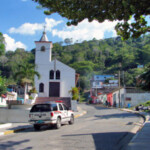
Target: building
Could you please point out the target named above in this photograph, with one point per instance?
(99, 82)
(57, 79)
(135, 96)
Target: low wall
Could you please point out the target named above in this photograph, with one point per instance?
(14, 115)
(136, 98)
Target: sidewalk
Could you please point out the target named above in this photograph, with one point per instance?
(10, 128)
(141, 141)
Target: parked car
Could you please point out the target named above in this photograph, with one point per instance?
(141, 107)
(50, 113)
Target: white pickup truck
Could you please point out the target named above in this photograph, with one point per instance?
(50, 113)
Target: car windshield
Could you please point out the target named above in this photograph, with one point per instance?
(41, 108)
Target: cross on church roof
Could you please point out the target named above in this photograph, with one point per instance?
(44, 37)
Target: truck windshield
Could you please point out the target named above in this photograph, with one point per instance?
(41, 108)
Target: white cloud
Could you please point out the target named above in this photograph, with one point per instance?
(23, 0)
(11, 44)
(86, 30)
(30, 29)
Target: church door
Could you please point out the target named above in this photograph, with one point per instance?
(54, 89)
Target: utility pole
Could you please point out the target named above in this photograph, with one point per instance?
(119, 82)
(123, 79)
(119, 86)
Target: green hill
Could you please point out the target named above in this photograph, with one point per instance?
(106, 56)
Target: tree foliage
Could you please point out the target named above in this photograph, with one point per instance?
(26, 73)
(144, 79)
(2, 45)
(2, 86)
(123, 10)
(88, 58)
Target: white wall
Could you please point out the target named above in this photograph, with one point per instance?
(3, 102)
(67, 78)
(122, 97)
(137, 98)
(43, 57)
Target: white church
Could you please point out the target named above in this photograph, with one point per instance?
(57, 79)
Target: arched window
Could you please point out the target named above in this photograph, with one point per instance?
(43, 48)
(57, 74)
(51, 74)
(41, 87)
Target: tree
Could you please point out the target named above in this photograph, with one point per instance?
(144, 79)
(26, 75)
(2, 86)
(68, 41)
(2, 44)
(3, 60)
(101, 10)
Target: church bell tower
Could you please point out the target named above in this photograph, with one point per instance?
(43, 52)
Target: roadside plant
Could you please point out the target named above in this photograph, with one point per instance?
(33, 90)
(75, 93)
(30, 97)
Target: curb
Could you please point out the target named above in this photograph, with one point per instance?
(143, 114)
(141, 122)
(6, 125)
(79, 115)
(24, 128)
(13, 131)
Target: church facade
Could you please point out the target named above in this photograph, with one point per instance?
(57, 79)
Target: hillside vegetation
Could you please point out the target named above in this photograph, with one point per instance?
(106, 56)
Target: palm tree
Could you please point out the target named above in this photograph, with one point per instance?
(26, 75)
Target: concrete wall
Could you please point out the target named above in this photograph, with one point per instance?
(3, 102)
(122, 97)
(14, 115)
(137, 98)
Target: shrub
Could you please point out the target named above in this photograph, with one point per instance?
(75, 93)
(33, 90)
(30, 97)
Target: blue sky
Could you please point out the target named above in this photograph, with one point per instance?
(22, 24)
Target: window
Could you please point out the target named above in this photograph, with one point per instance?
(65, 107)
(41, 108)
(51, 74)
(54, 106)
(43, 48)
(57, 74)
(60, 107)
(41, 87)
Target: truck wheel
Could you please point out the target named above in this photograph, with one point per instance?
(58, 123)
(71, 119)
(36, 127)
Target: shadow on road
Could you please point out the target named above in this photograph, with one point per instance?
(117, 115)
(108, 141)
(10, 145)
(99, 107)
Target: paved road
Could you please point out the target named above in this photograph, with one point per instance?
(100, 129)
